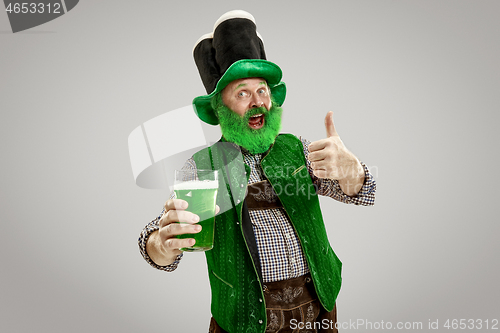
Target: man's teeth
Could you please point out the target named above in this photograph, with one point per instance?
(256, 116)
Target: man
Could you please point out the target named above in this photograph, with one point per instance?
(271, 268)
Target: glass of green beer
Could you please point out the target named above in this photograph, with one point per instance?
(199, 189)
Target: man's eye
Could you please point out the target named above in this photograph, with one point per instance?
(242, 94)
(262, 91)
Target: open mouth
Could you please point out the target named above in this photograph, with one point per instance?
(256, 122)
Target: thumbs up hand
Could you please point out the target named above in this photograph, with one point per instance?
(330, 159)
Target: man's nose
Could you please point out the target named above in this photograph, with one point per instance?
(256, 102)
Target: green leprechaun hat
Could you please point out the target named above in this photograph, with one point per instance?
(234, 50)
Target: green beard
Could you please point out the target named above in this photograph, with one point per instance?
(235, 128)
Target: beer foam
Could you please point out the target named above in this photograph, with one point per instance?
(197, 185)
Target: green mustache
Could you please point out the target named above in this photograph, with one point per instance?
(252, 112)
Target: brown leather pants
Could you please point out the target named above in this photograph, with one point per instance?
(293, 306)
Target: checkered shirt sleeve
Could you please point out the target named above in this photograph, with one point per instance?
(143, 238)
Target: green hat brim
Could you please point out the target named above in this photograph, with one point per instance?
(238, 70)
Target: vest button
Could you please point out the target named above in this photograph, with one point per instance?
(260, 300)
(237, 202)
(242, 185)
(261, 322)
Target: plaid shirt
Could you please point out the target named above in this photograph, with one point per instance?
(280, 253)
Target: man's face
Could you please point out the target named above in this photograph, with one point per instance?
(245, 94)
(247, 115)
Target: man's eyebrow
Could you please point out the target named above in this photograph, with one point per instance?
(263, 83)
(239, 86)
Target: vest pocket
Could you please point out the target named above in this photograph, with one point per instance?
(222, 280)
(225, 299)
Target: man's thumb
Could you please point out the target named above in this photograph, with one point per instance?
(330, 127)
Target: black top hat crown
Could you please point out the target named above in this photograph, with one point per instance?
(234, 38)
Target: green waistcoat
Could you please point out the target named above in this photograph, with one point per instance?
(237, 297)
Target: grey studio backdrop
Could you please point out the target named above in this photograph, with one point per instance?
(414, 86)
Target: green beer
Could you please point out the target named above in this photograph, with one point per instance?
(200, 196)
